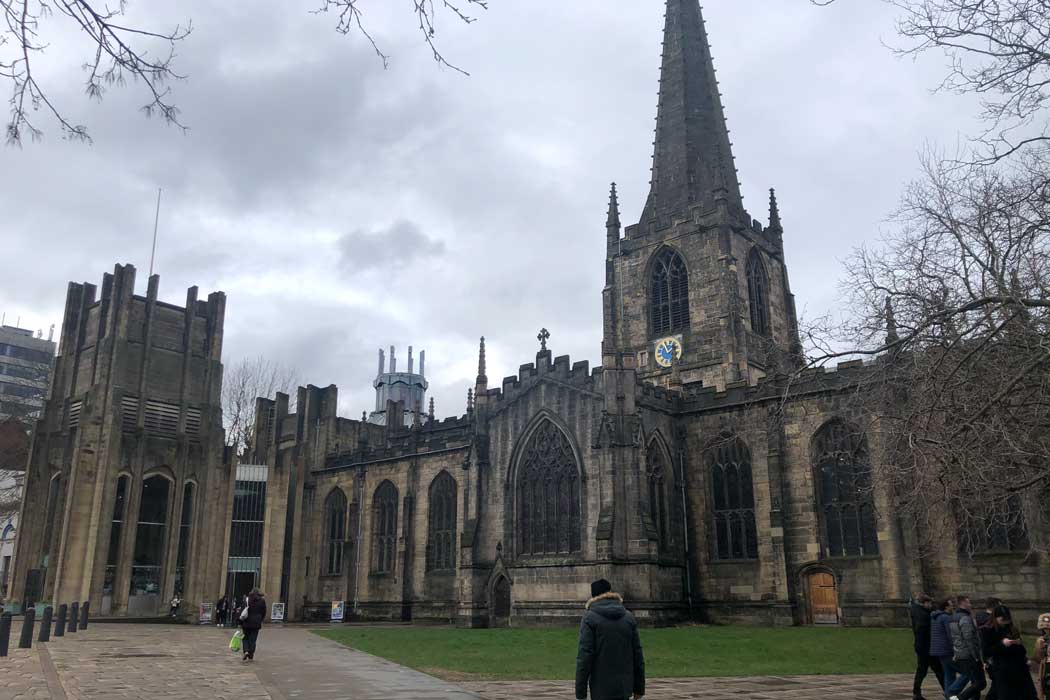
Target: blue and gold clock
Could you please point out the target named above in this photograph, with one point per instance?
(667, 351)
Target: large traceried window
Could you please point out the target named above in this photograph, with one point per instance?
(548, 494)
(844, 478)
(758, 293)
(335, 532)
(997, 528)
(148, 560)
(384, 528)
(441, 539)
(668, 293)
(185, 527)
(733, 494)
(658, 475)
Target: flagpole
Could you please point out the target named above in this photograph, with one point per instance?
(156, 222)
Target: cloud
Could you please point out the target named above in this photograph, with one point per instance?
(393, 248)
(496, 184)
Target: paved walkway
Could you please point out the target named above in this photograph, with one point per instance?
(172, 662)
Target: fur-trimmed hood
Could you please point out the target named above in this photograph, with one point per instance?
(608, 605)
(605, 596)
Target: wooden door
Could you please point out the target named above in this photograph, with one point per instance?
(500, 613)
(824, 599)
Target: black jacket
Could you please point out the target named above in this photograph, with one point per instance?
(920, 628)
(609, 661)
(256, 613)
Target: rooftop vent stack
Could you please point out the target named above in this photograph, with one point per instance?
(410, 359)
(382, 361)
(422, 362)
(393, 360)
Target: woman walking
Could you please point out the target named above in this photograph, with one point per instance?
(1009, 661)
(251, 622)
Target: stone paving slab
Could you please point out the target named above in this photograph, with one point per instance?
(772, 688)
(174, 662)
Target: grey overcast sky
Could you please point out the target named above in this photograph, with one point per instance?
(343, 207)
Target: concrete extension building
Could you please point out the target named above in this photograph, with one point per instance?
(679, 469)
(25, 369)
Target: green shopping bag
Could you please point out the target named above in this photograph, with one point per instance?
(235, 643)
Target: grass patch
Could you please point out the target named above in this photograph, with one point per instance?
(684, 652)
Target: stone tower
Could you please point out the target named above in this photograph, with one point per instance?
(409, 389)
(126, 483)
(697, 286)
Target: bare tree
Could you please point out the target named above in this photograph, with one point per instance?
(955, 306)
(14, 451)
(121, 52)
(997, 50)
(242, 383)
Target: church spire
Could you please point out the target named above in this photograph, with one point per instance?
(613, 221)
(693, 157)
(774, 211)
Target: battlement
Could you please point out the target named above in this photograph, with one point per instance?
(438, 436)
(561, 369)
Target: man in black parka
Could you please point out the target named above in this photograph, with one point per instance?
(609, 661)
(920, 609)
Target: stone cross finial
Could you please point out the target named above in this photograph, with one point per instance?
(543, 337)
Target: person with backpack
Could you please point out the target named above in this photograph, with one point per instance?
(966, 657)
(919, 611)
(609, 661)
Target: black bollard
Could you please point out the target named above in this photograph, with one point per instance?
(26, 641)
(5, 633)
(84, 614)
(45, 625)
(60, 623)
(74, 614)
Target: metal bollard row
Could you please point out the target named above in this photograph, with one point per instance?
(77, 619)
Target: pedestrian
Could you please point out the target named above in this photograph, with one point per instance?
(1009, 661)
(251, 622)
(986, 631)
(920, 609)
(941, 639)
(966, 658)
(221, 610)
(1042, 658)
(609, 661)
(176, 601)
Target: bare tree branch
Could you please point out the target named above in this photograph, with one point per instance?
(244, 382)
(122, 52)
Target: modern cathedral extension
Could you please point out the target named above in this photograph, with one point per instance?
(676, 469)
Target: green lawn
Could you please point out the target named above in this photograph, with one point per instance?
(550, 654)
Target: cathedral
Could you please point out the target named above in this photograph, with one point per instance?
(679, 469)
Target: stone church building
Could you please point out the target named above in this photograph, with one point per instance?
(678, 469)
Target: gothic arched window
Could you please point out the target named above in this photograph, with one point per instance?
(384, 526)
(548, 493)
(733, 494)
(844, 477)
(658, 482)
(669, 293)
(441, 540)
(334, 531)
(151, 537)
(758, 293)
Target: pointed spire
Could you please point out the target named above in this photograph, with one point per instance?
(482, 378)
(693, 156)
(892, 336)
(613, 221)
(774, 211)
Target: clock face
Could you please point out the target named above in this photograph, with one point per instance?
(667, 350)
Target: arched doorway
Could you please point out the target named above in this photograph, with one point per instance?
(500, 608)
(823, 598)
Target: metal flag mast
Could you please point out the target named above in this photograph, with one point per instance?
(156, 222)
